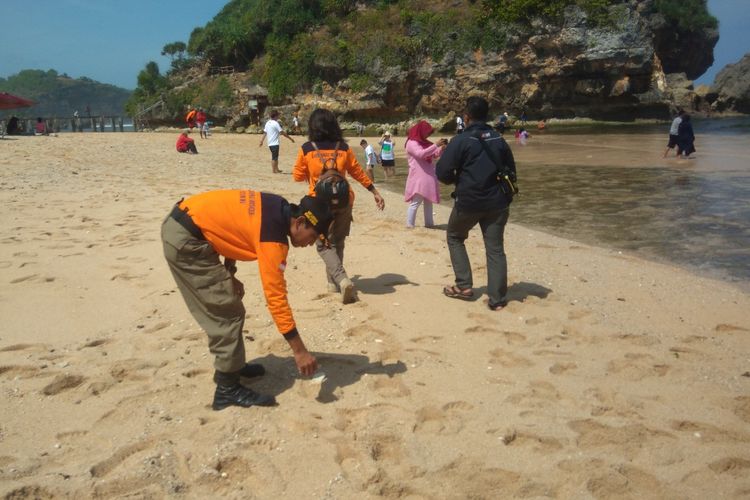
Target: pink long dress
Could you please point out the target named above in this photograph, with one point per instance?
(422, 179)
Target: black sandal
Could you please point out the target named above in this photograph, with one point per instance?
(454, 292)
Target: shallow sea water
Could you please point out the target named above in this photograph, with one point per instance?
(611, 187)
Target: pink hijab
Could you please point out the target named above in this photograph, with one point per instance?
(419, 133)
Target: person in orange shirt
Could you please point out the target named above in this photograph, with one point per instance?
(240, 225)
(326, 145)
(190, 118)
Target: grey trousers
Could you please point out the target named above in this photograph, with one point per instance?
(333, 257)
(208, 291)
(492, 224)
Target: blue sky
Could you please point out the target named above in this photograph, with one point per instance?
(112, 40)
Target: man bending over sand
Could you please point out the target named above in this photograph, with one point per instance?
(239, 225)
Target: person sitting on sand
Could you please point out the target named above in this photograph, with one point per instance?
(185, 144)
(40, 128)
(326, 147)
(242, 225)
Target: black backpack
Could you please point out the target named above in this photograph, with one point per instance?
(332, 187)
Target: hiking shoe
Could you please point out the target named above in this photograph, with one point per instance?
(348, 294)
(239, 395)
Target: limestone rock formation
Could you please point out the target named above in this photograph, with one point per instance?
(731, 88)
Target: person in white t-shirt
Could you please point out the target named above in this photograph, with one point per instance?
(459, 124)
(673, 130)
(273, 130)
(371, 159)
(387, 155)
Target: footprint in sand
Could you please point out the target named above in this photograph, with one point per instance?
(446, 420)
(508, 359)
(708, 433)
(637, 366)
(104, 467)
(540, 394)
(626, 481)
(61, 383)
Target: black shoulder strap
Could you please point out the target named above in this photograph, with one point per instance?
(495, 159)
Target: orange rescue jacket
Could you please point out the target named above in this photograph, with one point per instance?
(250, 225)
(309, 167)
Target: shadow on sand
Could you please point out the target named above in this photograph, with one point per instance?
(340, 370)
(385, 283)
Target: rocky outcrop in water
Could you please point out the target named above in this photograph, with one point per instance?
(731, 88)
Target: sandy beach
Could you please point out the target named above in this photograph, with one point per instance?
(607, 376)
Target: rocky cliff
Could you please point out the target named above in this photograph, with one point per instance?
(637, 67)
(731, 88)
(620, 72)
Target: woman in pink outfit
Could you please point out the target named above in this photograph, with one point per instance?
(422, 184)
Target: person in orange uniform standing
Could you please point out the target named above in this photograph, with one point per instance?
(326, 145)
(239, 225)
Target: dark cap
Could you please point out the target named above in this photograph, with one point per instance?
(317, 213)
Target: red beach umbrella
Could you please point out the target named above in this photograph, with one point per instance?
(10, 101)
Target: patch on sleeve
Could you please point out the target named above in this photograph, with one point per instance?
(282, 266)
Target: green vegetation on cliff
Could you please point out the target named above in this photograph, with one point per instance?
(293, 46)
(60, 95)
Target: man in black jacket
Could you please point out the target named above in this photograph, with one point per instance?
(474, 162)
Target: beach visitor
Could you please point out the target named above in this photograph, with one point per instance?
(524, 120)
(522, 135)
(326, 148)
(422, 183)
(459, 124)
(295, 124)
(371, 159)
(387, 155)
(473, 162)
(40, 128)
(242, 225)
(200, 122)
(190, 118)
(273, 130)
(502, 122)
(685, 137)
(542, 124)
(185, 144)
(673, 131)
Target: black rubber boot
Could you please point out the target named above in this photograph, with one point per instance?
(239, 395)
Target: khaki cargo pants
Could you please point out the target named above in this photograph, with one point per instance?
(208, 291)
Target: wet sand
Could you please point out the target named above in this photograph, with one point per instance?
(615, 190)
(607, 376)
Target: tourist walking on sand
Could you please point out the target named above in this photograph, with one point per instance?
(326, 149)
(239, 225)
(388, 155)
(185, 144)
(273, 130)
(190, 118)
(685, 137)
(200, 122)
(371, 159)
(422, 183)
(673, 131)
(473, 162)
